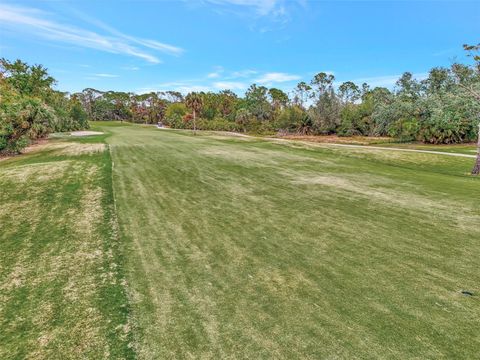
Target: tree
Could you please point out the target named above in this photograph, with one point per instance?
(211, 105)
(194, 102)
(303, 93)
(174, 96)
(438, 81)
(325, 113)
(365, 90)
(31, 80)
(242, 118)
(323, 83)
(228, 99)
(349, 92)
(473, 88)
(408, 88)
(30, 108)
(21, 118)
(294, 118)
(257, 102)
(278, 98)
(77, 114)
(476, 167)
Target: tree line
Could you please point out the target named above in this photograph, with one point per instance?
(439, 109)
(30, 108)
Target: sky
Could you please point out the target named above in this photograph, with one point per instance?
(210, 45)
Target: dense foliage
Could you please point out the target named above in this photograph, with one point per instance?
(438, 109)
(30, 108)
(441, 109)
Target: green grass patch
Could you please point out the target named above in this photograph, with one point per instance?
(257, 249)
(159, 244)
(470, 149)
(62, 292)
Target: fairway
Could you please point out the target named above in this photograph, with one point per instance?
(236, 247)
(245, 248)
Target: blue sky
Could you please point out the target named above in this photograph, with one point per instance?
(208, 45)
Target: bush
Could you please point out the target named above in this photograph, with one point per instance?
(217, 124)
(30, 108)
(404, 129)
(294, 119)
(22, 119)
(174, 110)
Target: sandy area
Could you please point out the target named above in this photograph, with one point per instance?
(85, 133)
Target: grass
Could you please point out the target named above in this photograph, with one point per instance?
(237, 247)
(353, 140)
(470, 149)
(61, 292)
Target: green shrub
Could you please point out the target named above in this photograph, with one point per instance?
(404, 129)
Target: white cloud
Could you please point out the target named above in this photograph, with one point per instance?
(387, 81)
(36, 22)
(242, 74)
(261, 15)
(276, 77)
(104, 75)
(131, 68)
(216, 73)
(229, 85)
(152, 44)
(213, 75)
(261, 7)
(192, 88)
(183, 87)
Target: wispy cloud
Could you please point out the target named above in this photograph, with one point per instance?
(276, 77)
(39, 23)
(104, 75)
(230, 85)
(182, 86)
(152, 44)
(131, 68)
(222, 79)
(387, 81)
(216, 73)
(260, 15)
(242, 74)
(261, 7)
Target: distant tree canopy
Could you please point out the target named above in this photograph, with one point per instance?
(443, 108)
(438, 109)
(30, 108)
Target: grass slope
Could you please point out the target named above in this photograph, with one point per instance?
(61, 295)
(243, 248)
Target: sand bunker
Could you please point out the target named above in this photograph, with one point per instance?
(85, 133)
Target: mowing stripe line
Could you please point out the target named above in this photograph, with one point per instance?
(373, 147)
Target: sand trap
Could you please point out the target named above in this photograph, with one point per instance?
(85, 133)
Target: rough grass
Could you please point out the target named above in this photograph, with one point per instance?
(61, 295)
(254, 249)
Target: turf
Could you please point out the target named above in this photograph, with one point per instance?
(243, 248)
(470, 149)
(236, 247)
(61, 292)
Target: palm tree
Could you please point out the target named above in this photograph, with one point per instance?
(194, 102)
